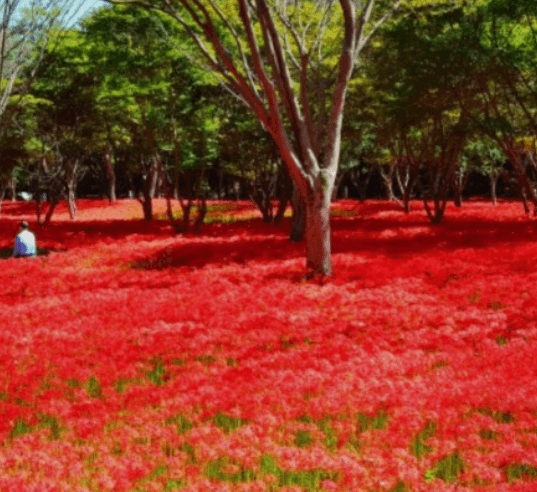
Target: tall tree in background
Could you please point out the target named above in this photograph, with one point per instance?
(290, 63)
(147, 93)
(509, 64)
(27, 28)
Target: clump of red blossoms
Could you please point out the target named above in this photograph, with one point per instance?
(134, 359)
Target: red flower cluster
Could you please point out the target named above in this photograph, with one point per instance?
(138, 360)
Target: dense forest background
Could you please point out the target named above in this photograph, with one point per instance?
(442, 106)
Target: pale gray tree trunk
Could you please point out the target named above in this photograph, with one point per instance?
(70, 186)
(493, 176)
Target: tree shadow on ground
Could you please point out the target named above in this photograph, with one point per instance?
(89, 231)
(395, 238)
(223, 252)
(360, 231)
(390, 238)
(6, 253)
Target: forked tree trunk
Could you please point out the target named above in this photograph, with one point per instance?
(439, 196)
(264, 204)
(526, 187)
(361, 186)
(435, 214)
(149, 187)
(387, 180)
(406, 186)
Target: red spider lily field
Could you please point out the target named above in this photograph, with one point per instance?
(136, 360)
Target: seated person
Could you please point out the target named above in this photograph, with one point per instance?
(24, 242)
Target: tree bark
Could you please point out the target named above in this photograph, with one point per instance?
(298, 219)
(2, 194)
(52, 205)
(147, 206)
(71, 201)
(493, 185)
(526, 187)
(339, 179)
(263, 80)
(457, 199)
(148, 189)
(70, 185)
(285, 188)
(111, 175)
(318, 242)
(202, 212)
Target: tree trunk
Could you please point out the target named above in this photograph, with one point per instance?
(280, 212)
(406, 199)
(70, 186)
(318, 243)
(298, 219)
(390, 195)
(457, 199)
(152, 177)
(176, 170)
(526, 187)
(174, 223)
(36, 189)
(71, 201)
(149, 187)
(339, 179)
(202, 212)
(493, 186)
(361, 187)
(406, 186)
(264, 204)
(10, 184)
(52, 205)
(186, 215)
(437, 215)
(285, 194)
(147, 206)
(2, 194)
(111, 175)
